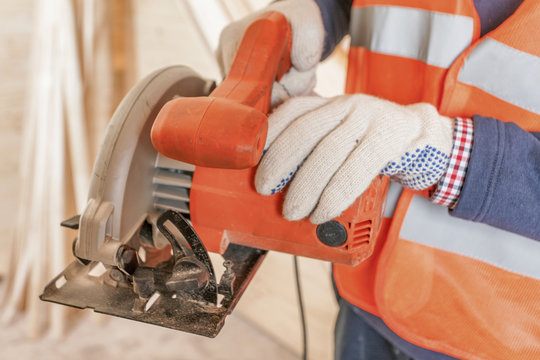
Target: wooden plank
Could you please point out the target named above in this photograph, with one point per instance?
(34, 242)
(15, 37)
(209, 21)
(73, 98)
(122, 52)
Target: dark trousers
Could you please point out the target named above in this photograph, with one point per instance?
(355, 339)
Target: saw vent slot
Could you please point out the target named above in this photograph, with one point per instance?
(361, 233)
(172, 184)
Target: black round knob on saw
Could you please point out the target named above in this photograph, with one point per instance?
(332, 233)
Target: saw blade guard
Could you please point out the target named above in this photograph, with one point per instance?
(128, 170)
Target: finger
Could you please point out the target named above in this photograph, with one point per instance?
(293, 83)
(220, 61)
(230, 39)
(307, 31)
(279, 95)
(292, 109)
(299, 82)
(344, 188)
(293, 145)
(364, 163)
(311, 179)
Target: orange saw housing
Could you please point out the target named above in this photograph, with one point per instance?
(226, 208)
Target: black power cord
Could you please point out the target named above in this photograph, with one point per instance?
(301, 308)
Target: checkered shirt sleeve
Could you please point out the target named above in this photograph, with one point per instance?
(449, 187)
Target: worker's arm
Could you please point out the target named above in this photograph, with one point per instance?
(502, 185)
(335, 15)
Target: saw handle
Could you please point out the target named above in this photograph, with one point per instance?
(228, 128)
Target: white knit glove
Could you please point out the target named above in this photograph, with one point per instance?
(337, 146)
(307, 30)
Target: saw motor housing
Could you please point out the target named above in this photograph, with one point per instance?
(226, 208)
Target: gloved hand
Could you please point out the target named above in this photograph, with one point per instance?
(337, 146)
(307, 30)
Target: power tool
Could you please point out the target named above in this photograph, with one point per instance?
(151, 217)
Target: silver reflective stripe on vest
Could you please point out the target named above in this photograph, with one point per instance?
(392, 198)
(504, 72)
(432, 37)
(431, 225)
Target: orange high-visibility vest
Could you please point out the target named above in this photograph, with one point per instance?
(461, 288)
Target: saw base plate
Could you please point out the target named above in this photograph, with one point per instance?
(111, 292)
